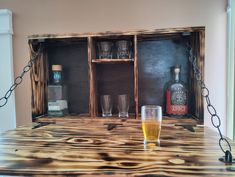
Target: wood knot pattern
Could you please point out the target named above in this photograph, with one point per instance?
(85, 147)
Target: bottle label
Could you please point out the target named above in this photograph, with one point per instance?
(176, 102)
(57, 77)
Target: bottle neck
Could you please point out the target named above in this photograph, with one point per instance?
(177, 77)
(177, 74)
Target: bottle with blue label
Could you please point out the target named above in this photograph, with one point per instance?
(57, 93)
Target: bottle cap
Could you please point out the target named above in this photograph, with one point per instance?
(56, 68)
(177, 68)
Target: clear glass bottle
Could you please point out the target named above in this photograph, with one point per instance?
(57, 93)
(176, 95)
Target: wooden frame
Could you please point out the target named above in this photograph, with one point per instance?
(198, 40)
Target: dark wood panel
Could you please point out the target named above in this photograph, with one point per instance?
(156, 56)
(74, 59)
(115, 79)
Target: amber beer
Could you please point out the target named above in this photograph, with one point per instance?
(151, 116)
(151, 130)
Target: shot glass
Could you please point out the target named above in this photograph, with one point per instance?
(123, 49)
(123, 106)
(106, 105)
(151, 117)
(105, 49)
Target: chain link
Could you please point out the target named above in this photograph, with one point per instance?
(18, 80)
(215, 119)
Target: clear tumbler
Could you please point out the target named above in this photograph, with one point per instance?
(106, 105)
(123, 105)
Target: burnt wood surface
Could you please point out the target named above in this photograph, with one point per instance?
(136, 76)
(117, 33)
(110, 147)
(112, 60)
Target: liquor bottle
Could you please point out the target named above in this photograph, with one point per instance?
(176, 95)
(57, 93)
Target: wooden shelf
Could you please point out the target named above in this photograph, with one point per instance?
(115, 115)
(142, 75)
(114, 60)
(165, 119)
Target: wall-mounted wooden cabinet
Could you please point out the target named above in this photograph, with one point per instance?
(142, 75)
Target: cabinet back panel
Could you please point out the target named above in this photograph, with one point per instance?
(115, 79)
(73, 58)
(155, 59)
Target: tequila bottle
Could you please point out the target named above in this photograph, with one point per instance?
(57, 93)
(176, 95)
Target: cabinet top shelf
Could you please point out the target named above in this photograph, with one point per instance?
(114, 60)
(110, 33)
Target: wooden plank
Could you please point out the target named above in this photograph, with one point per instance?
(114, 60)
(166, 120)
(89, 147)
(39, 81)
(91, 79)
(201, 65)
(198, 49)
(114, 33)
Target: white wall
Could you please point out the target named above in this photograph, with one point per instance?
(75, 16)
(7, 113)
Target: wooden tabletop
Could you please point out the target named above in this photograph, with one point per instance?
(110, 147)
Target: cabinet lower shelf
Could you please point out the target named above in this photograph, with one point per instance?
(166, 120)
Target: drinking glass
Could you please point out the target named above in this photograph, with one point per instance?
(151, 117)
(123, 105)
(123, 49)
(106, 105)
(105, 49)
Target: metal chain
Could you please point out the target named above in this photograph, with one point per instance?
(18, 80)
(215, 119)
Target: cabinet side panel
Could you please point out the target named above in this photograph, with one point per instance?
(201, 64)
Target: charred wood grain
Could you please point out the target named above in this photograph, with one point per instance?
(84, 147)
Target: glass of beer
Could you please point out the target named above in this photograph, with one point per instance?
(151, 117)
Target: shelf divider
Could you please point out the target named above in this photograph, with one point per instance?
(136, 92)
